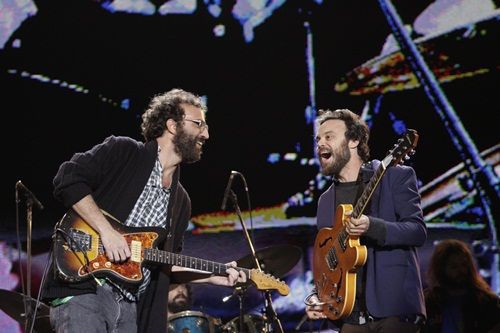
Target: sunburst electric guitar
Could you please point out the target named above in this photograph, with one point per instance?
(337, 255)
(79, 255)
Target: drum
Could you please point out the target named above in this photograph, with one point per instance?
(251, 324)
(193, 322)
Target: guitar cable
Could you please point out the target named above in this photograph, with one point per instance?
(40, 288)
(307, 299)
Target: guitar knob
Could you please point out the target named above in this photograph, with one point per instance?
(340, 299)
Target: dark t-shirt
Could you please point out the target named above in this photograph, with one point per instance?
(348, 193)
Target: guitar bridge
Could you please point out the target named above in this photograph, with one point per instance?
(79, 241)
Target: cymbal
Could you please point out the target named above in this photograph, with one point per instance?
(443, 52)
(276, 260)
(12, 303)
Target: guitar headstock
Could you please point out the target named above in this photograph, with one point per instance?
(265, 281)
(403, 149)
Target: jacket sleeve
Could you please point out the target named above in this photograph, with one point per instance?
(408, 227)
(85, 171)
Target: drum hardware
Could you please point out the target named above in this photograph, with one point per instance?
(253, 259)
(193, 322)
(14, 304)
(253, 323)
(276, 260)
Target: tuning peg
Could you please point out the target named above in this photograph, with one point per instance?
(407, 157)
(412, 152)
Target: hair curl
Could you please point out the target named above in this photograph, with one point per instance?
(357, 130)
(167, 106)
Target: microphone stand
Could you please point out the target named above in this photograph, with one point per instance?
(30, 199)
(268, 301)
(240, 299)
(27, 297)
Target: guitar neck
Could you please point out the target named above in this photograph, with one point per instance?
(368, 191)
(169, 258)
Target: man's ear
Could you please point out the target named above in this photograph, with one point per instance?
(172, 126)
(353, 144)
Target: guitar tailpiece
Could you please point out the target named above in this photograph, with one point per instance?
(307, 300)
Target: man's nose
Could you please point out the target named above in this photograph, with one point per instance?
(204, 133)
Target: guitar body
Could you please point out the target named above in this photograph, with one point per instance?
(337, 256)
(79, 254)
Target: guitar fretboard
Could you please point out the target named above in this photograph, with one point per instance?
(343, 236)
(368, 191)
(170, 258)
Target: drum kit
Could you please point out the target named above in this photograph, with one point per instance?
(199, 322)
(275, 260)
(15, 304)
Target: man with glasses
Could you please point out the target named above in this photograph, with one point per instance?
(138, 184)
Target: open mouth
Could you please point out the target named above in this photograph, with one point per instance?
(325, 155)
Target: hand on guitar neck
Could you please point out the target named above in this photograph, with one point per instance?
(357, 227)
(229, 278)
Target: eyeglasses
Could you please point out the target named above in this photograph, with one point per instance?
(199, 123)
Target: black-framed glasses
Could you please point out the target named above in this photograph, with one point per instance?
(199, 123)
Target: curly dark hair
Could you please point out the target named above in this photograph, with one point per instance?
(357, 130)
(167, 106)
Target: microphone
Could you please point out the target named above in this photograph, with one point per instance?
(28, 193)
(227, 298)
(236, 291)
(228, 190)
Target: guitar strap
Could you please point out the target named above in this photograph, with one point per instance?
(361, 281)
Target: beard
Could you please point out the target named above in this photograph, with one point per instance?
(340, 157)
(178, 304)
(186, 146)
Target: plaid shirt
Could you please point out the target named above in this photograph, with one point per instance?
(150, 210)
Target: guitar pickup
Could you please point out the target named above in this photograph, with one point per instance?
(332, 259)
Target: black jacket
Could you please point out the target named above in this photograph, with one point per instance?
(115, 173)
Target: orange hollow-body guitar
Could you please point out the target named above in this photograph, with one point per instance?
(79, 255)
(338, 255)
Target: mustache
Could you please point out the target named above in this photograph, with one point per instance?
(180, 296)
(201, 139)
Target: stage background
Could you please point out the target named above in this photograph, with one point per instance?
(74, 72)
